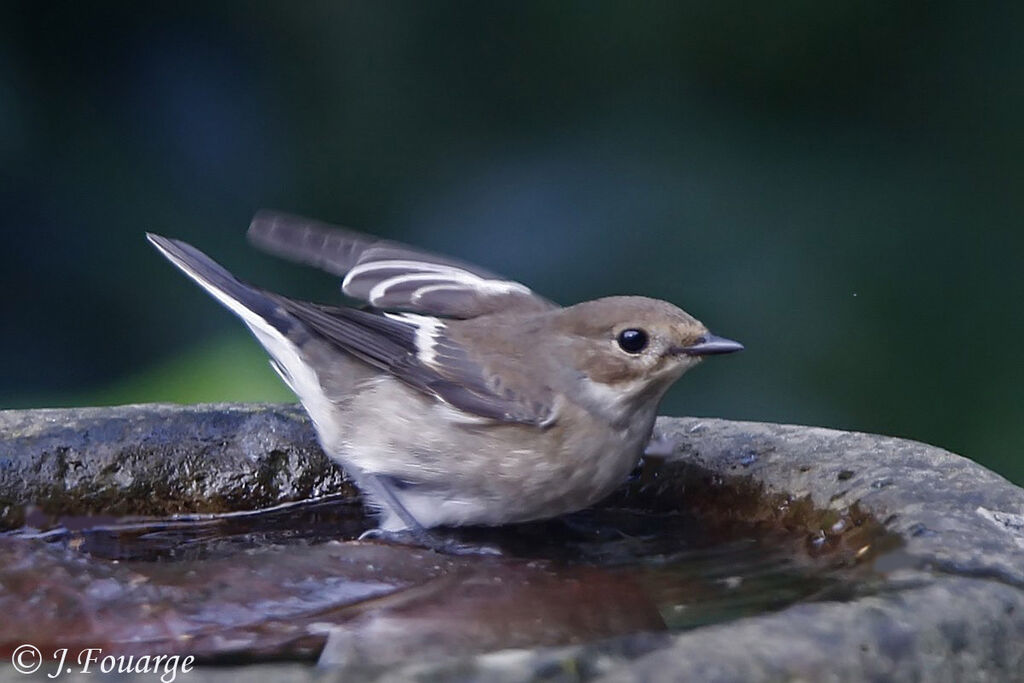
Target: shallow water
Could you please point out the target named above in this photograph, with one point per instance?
(277, 583)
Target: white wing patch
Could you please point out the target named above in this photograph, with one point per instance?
(429, 289)
(428, 330)
(392, 274)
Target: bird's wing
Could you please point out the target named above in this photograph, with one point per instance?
(411, 347)
(390, 275)
(416, 349)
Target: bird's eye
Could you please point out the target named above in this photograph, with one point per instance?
(632, 340)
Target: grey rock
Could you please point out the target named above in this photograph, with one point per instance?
(159, 459)
(953, 514)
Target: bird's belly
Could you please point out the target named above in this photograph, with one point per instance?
(449, 468)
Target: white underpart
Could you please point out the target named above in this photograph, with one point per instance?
(428, 329)
(296, 373)
(456, 278)
(606, 399)
(430, 510)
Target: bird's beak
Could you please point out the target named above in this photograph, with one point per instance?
(710, 345)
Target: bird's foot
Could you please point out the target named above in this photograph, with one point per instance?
(439, 543)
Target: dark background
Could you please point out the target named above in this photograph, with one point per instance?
(837, 185)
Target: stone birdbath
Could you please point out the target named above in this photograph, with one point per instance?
(751, 552)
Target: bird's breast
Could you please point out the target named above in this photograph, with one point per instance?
(501, 472)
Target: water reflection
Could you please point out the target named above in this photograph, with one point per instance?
(280, 582)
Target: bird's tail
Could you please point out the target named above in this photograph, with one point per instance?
(280, 332)
(253, 305)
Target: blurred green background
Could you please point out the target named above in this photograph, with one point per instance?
(837, 185)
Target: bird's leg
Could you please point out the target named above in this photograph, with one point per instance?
(382, 488)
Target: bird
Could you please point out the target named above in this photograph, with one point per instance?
(454, 396)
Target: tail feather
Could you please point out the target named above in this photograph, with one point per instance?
(254, 306)
(280, 333)
(303, 339)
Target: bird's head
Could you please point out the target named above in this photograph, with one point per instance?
(627, 347)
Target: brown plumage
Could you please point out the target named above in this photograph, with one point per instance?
(460, 397)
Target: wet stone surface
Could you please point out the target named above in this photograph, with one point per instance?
(159, 460)
(751, 552)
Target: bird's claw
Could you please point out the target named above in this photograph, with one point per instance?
(425, 539)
